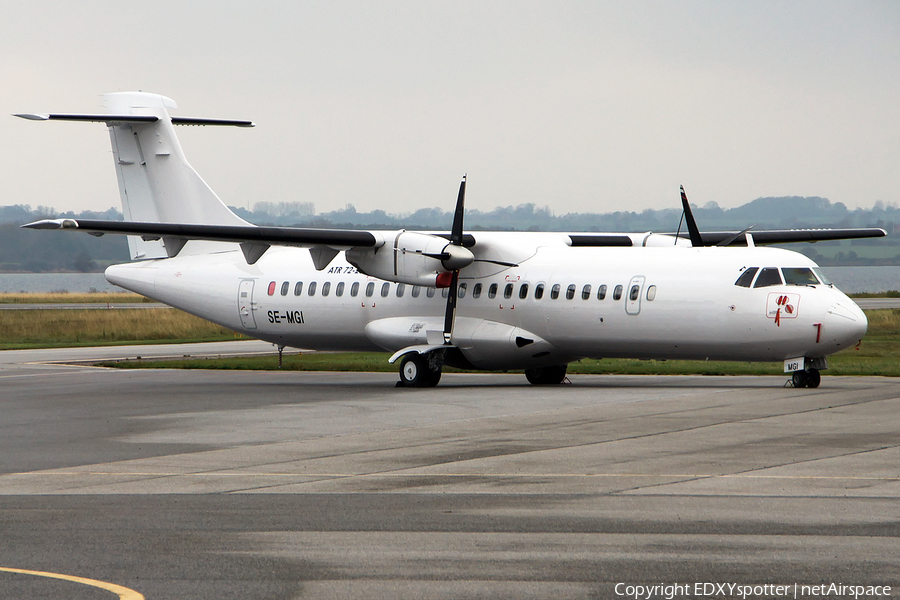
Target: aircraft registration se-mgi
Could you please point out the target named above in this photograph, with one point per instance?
(484, 300)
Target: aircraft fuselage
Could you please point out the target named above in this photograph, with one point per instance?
(557, 305)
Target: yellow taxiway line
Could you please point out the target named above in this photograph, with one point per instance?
(123, 592)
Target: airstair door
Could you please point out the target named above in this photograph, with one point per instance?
(246, 306)
(634, 292)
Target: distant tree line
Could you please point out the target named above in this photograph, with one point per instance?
(26, 250)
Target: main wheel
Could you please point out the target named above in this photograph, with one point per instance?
(419, 370)
(799, 379)
(813, 378)
(546, 375)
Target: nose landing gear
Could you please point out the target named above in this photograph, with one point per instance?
(809, 378)
(421, 370)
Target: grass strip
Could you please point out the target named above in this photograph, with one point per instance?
(71, 298)
(20, 329)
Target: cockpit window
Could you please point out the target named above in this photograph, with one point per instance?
(746, 277)
(768, 276)
(799, 276)
(821, 276)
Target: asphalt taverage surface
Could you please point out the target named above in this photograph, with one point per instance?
(195, 484)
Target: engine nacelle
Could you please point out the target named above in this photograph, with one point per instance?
(413, 258)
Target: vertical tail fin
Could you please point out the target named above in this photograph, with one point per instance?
(156, 183)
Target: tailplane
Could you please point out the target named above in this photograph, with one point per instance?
(156, 182)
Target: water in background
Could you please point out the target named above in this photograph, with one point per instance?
(56, 282)
(855, 280)
(849, 279)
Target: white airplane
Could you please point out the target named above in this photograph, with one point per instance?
(489, 300)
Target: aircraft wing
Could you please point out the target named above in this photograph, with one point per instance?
(254, 241)
(785, 236)
(273, 236)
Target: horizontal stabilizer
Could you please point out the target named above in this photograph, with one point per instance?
(104, 118)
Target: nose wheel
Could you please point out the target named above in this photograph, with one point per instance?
(809, 378)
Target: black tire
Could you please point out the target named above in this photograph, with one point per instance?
(546, 375)
(800, 379)
(418, 370)
(813, 378)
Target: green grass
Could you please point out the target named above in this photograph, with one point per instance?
(96, 327)
(879, 354)
(71, 298)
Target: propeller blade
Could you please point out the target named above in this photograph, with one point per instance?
(451, 307)
(693, 231)
(456, 233)
(456, 239)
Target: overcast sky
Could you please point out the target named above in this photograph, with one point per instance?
(578, 106)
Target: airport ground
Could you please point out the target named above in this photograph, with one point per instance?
(282, 485)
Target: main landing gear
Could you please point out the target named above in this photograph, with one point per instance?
(809, 378)
(421, 370)
(546, 375)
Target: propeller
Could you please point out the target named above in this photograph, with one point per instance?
(456, 238)
(693, 231)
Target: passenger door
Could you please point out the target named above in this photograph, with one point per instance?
(246, 306)
(633, 294)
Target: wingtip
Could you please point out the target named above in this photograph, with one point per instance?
(32, 116)
(52, 224)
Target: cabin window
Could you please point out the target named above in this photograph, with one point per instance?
(601, 292)
(617, 293)
(339, 289)
(492, 291)
(311, 289)
(746, 277)
(445, 292)
(539, 291)
(326, 287)
(272, 285)
(354, 289)
(298, 288)
(476, 291)
(570, 292)
(370, 289)
(507, 291)
(430, 292)
(385, 289)
(401, 287)
(651, 293)
(523, 291)
(554, 291)
(799, 276)
(768, 276)
(285, 287)
(415, 291)
(462, 291)
(635, 292)
(586, 292)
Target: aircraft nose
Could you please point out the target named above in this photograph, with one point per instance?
(845, 324)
